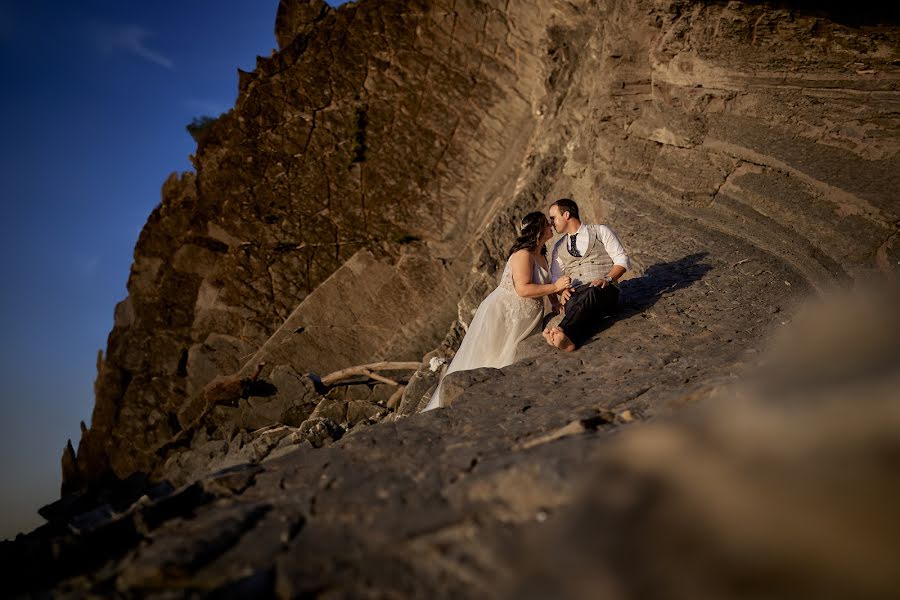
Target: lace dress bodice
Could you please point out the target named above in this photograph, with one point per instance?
(517, 307)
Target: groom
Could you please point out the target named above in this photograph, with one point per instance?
(594, 258)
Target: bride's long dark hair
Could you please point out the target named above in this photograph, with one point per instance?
(530, 233)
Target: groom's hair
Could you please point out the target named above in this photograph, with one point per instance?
(567, 205)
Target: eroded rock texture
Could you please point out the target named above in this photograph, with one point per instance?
(548, 482)
(371, 128)
(356, 205)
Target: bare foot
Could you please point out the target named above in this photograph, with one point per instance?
(547, 336)
(559, 339)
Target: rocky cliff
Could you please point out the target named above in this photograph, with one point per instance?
(354, 207)
(389, 128)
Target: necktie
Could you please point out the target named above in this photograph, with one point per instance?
(573, 249)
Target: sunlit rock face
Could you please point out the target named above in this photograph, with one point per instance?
(745, 155)
(375, 127)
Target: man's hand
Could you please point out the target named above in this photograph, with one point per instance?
(566, 294)
(555, 306)
(602, 282)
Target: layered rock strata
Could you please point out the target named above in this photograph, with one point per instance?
(371, 127)
(745, 154)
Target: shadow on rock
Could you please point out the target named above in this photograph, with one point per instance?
(640, 293)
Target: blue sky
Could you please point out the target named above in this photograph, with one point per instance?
(94, 103)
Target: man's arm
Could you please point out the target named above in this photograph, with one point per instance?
(614, 247)
(616, 251)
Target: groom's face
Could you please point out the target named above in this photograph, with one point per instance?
(557, 220)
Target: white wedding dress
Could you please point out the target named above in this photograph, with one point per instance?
(502, 321)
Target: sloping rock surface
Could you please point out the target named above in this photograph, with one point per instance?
(747, 156)
(575, 480)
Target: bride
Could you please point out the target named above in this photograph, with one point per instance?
(514, 309)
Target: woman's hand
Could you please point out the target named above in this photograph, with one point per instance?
(562, 283)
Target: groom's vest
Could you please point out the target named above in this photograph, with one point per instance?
(595, 263)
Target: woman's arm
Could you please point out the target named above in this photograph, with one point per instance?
(522, 269)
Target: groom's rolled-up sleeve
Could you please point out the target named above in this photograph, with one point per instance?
(614, 247)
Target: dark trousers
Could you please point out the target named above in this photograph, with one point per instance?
(585, 311)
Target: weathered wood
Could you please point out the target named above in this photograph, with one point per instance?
(259, 369)
(394, 401)
(367, 370)
(380, 378)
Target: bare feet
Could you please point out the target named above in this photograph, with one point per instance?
(555, 336)
(546, 334)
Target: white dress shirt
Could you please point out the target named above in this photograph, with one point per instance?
(606, 235)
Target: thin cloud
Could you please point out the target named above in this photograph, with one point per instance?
(130, 38)
(205, 107)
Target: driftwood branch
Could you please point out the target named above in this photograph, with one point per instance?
(367, 370)
(380, 378)
(573, 428)
(259, 369)
(591, 423)
(394, 401)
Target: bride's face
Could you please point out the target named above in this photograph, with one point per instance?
(546, 232)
